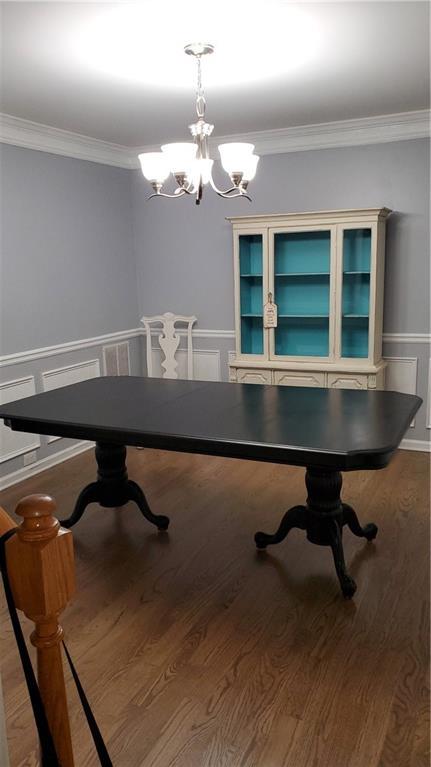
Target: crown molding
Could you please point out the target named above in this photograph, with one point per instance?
(44, 138)
(381, 129)
(303, 138)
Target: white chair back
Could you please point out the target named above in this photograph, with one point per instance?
(169, 341)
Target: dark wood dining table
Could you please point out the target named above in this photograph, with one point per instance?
(327, 431)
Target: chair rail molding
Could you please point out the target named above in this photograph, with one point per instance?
(29, 355)
(341, 133)
(407, 338)
(68, 346)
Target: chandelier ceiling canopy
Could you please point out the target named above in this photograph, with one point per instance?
(190, 162)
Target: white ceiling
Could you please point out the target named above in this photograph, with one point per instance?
(117, 72)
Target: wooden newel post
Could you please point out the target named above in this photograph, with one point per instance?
(41, 571)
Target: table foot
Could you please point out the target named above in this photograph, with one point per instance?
(323, 518)
(87, 495)
(136, 494)
(350, 519)
(294, 518)
(113, 488)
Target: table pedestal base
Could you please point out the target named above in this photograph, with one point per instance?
(113, 487)
(323, 518)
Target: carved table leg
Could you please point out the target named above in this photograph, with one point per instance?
(351, 520)
(323, 519)
(113, 487)
(86, 496)
(294, 518)
(136, 494)
(348, 585)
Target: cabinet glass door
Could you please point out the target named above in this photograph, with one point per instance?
(356, 292)
(251, 292)
(302, 276)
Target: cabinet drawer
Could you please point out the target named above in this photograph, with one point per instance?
(296, 378)
(347, 381)
(248, 375)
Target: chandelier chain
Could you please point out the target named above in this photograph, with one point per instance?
(200, 96)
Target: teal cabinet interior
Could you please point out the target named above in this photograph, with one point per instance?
(356, 293)
(251, 292)
(301, 292)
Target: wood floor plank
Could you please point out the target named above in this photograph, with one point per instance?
(198, 652)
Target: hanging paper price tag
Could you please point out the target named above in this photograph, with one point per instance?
(270, 313)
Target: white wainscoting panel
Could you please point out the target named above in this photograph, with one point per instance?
(206, 364)
(401, 375)
(69, 374)
(14, 443)
(44, 463)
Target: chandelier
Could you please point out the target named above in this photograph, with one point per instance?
(190, 163)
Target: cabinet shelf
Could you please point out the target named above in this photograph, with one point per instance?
(304, 316)
(355, 316)
(254, 276)
(363, 274)
(302, 274)
(250, 314)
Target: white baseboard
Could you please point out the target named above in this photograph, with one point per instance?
(45, 463)
(416, 444)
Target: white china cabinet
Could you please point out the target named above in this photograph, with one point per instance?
(309, 298)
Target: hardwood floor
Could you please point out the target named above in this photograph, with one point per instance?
(196, 651)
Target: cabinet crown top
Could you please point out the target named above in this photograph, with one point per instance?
(322, 215)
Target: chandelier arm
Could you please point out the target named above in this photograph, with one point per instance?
(229, 193)
(230, 196)
(174, 196)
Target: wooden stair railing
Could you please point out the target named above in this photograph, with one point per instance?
(40, 565)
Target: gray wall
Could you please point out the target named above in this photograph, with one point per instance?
(184, 253)
(67, 268)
